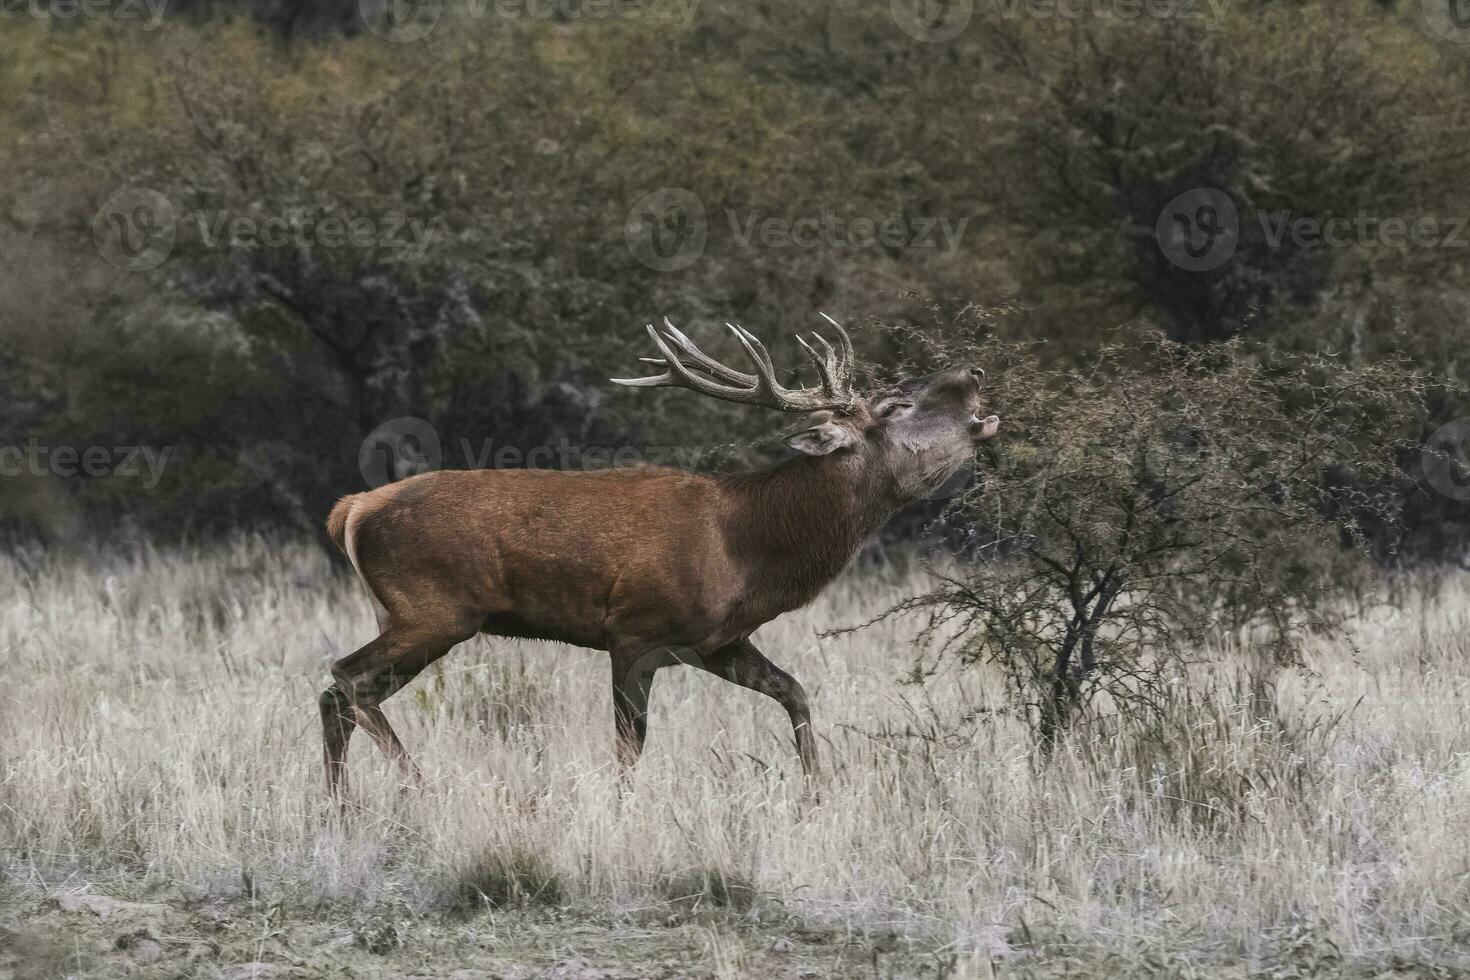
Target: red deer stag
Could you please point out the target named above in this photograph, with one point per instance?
(655, 566)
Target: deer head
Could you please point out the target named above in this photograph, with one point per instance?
(910, 437)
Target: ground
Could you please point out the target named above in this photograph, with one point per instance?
(87, 935)
(161, 811)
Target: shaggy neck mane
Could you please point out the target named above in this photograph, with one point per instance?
(804, 518)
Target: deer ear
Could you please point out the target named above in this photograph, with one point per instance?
(822, 439)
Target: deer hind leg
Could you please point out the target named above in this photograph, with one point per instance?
(365, 679)
(742, 664)
(632, 681)
(338, 723)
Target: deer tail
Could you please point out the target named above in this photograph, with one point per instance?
(337, 521)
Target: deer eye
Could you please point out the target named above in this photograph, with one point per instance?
(892, 407)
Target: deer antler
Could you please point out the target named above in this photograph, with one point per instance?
(681, 360)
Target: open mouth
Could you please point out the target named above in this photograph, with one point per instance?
(986, 428)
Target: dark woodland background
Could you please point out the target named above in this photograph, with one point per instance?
(529, 146)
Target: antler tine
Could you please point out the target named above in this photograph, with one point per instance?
(826, 347)
(765, 370)
(652, 381)
(824, 364)
(704, 361)
(847, 359)
(756, 351)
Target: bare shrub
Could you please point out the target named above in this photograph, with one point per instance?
(1156, 498)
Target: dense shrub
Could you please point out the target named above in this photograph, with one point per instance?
(501, 161)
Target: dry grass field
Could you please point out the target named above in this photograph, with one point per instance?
(161, 807)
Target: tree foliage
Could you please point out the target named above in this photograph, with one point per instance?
(522, 148)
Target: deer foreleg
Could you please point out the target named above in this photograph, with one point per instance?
(741, 663)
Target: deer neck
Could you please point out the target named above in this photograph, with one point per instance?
(796, 526)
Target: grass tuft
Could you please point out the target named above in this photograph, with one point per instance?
(697, 889)
(511, 878)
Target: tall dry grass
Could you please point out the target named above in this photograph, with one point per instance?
(158, 724)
